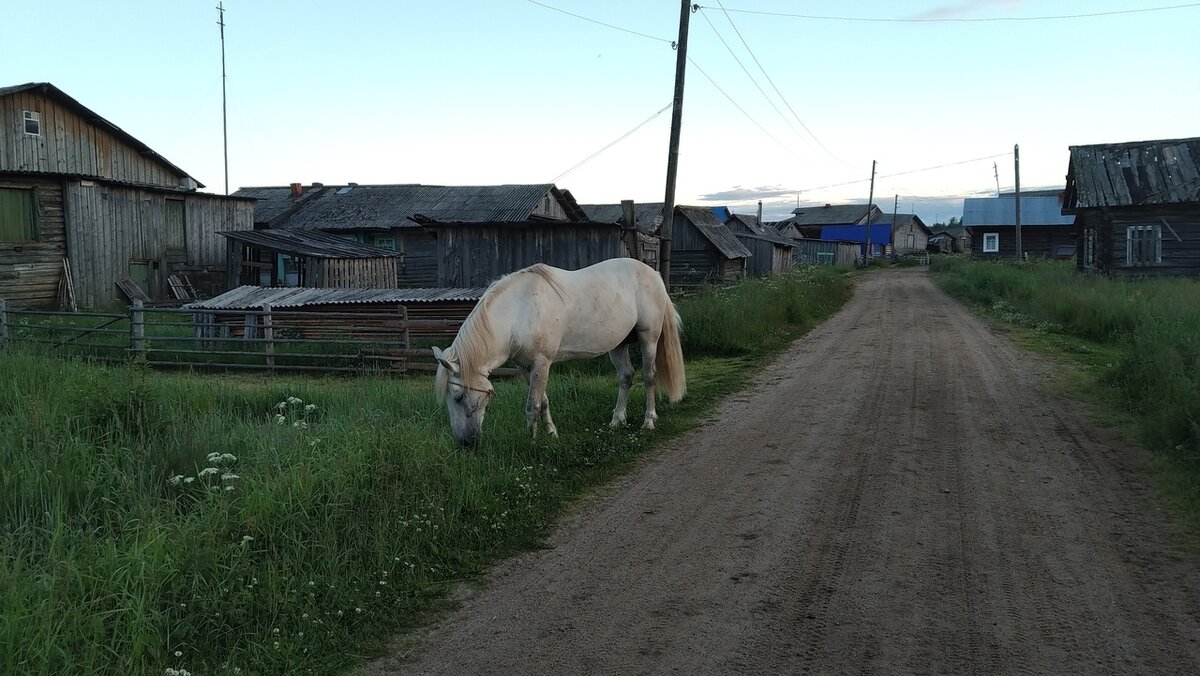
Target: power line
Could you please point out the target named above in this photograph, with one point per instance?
(601, 23)
(620, 138)
(743, 111)
(965, 19)
(905, 173)
(773, 86)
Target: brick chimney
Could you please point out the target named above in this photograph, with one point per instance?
(297, 189)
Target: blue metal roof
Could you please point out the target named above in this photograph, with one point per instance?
(1000, 211)
(881, 233)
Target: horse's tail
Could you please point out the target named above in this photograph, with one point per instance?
(668, 363)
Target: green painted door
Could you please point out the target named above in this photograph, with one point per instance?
(139, 272)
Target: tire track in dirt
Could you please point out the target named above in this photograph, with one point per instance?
(895, 494)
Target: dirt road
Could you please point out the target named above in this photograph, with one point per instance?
(896, 494)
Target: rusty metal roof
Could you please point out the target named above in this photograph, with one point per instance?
(249, 297)
(1133, 174)
(715, 231)
(308, 243)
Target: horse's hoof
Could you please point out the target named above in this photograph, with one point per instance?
(648, 425)
(553, 431)
(616, 423)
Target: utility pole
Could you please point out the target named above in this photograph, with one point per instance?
(870, 199)
(895, 213)
(685, 12)
(1017, 179)
(224, 116)
(996, 171)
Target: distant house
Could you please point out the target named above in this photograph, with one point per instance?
(1136, 206)
(807, 221)
(771, 252)
(509, 225)
(75, 187)
(1045, 232)
(952, 239)
(306, 258)
(909, 232)
(703, 249)
(879, 236)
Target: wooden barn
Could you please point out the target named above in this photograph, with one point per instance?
(78, 193)
(306, 258)
(771, 252)
(1045, 231)
(1136, 207)
(647, 221)
(408, 218)
(703, 249)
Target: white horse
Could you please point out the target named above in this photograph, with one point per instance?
(541, 315)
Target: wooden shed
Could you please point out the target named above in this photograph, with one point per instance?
(1136, 207)
(647, 218)
(78, 193)
(703, 249)
(308, 259)
(827, 252)
(771, 252)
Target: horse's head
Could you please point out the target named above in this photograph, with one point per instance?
(466, 396)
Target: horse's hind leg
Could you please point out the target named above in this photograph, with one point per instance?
(620, 359)
(649, 356)
(537, 406)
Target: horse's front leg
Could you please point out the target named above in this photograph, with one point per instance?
(620, 359)
(538, 404)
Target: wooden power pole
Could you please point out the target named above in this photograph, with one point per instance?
(224, 117)
(870, 199)
(1017, 179)
(685, 12)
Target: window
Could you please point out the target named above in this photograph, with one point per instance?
(18, 215)
(388, 243)
(991, 242)
(912, 241)
(33, 123)
(1143, 245)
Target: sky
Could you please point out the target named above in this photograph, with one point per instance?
(785, 101)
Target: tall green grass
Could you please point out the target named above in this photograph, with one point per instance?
(1154, 324)
(157, 521)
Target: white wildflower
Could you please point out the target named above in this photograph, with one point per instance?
(295, 401)
(213, 457)
(228, 457)
(230, 488)
(309, 408)
(175, 480)
(209, 470)
(300, 424)
(188, 480)
(229, 476)
(281, 405)
(245, 539)
(178, 653)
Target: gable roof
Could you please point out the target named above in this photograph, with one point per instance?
(309, 243)
(714, 231)
(898, 220)
(648, 215)
(1133, 174)
(759, 231)
(831, 214)
(51, 92)
(1002, 211)
(381, 207)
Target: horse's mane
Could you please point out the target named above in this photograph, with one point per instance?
(471, 346)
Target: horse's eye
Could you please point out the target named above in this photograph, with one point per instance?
(460, 396)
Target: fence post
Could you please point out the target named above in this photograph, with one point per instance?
(3, 323)
(137, 331)
(268, 335)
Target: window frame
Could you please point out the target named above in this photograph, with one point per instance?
(1138, 261)
(33, 226)
(994, 237)
(33, 116)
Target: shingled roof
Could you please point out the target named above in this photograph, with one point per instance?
(369, 207)
(1133, 174)
(715, 231)
(760, 231)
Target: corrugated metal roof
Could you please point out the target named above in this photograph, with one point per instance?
(647, 214)
(309, 243)
(1132, 174)
(761, 231)
(830, 214)
(50, 91)
(249, 297)
(1002, 211)
(715, 231)
(382, 207)
(272, 202)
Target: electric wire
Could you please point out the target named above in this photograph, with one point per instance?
(743, 111)
(1055, 17)
(620, 138)
(609, 25)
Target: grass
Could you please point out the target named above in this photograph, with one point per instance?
(1138, 343)
(157, 521)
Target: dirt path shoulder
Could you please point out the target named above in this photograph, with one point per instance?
(894, 494)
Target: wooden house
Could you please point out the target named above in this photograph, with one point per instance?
(703, 249)
(771, 252)
(807, 221)
(79, 193)
(909, 232)
(1136, 207)
(1045, 231)
(307, 259)
(410, 218)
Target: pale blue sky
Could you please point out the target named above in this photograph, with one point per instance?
(506, 91)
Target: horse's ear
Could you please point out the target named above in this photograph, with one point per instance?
(441, 357)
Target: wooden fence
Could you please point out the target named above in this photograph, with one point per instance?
(263, 340)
